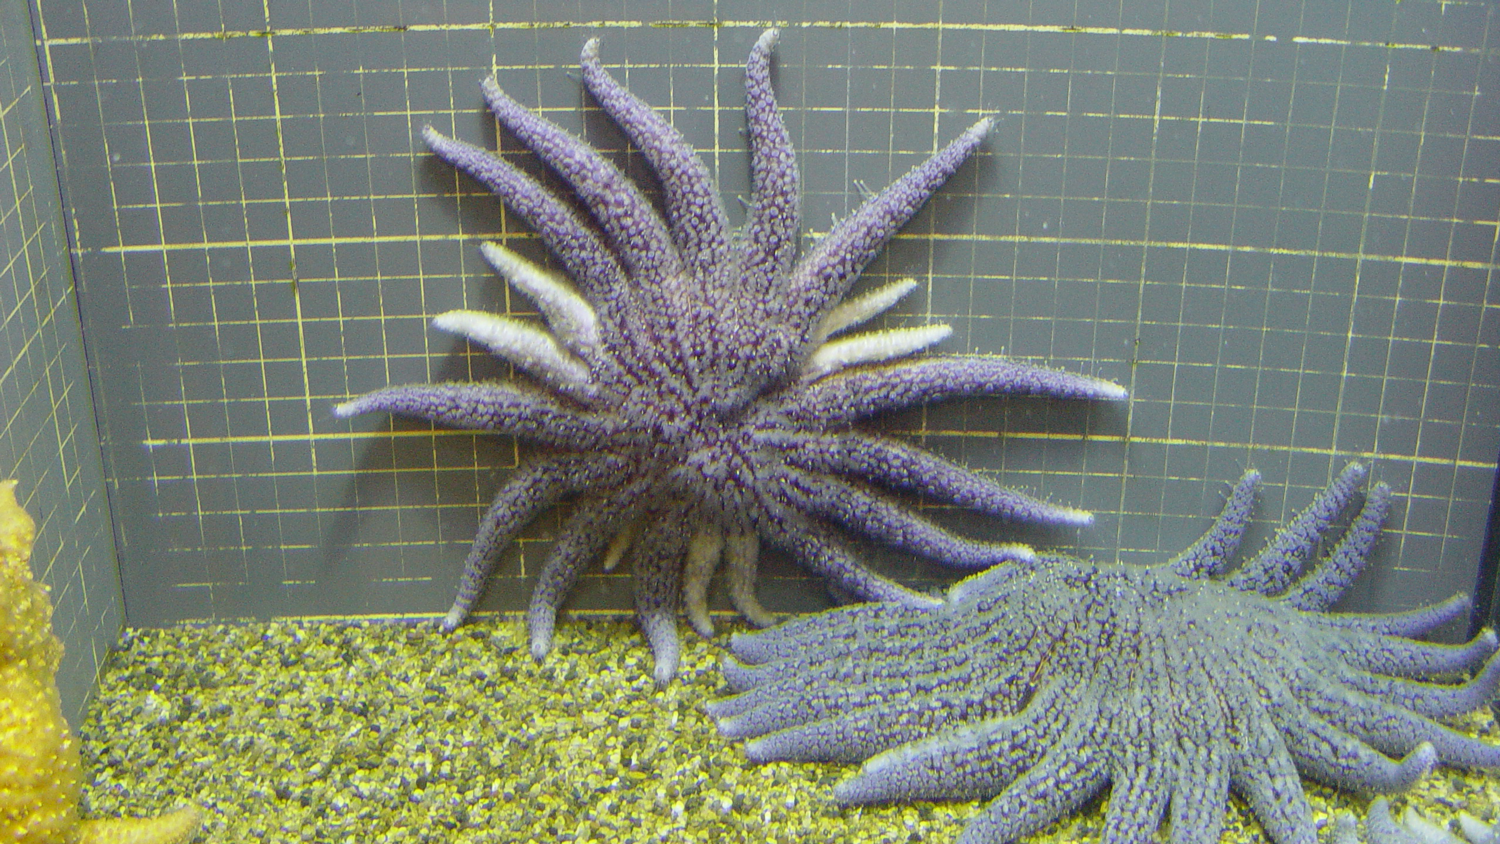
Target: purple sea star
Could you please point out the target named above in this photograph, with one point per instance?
(691, 390)
(1038, 685)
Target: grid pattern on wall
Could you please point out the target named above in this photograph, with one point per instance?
(48, 441)
(1276, 226)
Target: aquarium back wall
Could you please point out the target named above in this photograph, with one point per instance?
(1274, 222)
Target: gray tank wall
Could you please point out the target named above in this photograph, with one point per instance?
(48, 439)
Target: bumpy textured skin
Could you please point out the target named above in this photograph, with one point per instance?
(39, 772)
(1381, 828)
(688, 390)
(1038, 685)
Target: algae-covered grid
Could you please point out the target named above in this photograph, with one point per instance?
(377, 732)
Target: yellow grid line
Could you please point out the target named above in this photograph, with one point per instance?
(499, 26)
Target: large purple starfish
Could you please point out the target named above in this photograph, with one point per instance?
(689, 388)
(1039, 685)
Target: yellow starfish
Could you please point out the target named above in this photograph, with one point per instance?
(39, 769)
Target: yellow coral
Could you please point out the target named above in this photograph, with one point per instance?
(39, 769)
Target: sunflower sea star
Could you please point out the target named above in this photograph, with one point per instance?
(688, 388)
(40, 780)
(1039, 684)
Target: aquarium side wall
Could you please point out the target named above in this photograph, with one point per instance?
(48, 439)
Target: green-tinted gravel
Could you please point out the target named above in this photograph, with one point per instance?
(373, 732)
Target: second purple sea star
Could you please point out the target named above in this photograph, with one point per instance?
(695, 390)
(1039, 686)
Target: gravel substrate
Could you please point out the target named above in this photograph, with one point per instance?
(387, 732)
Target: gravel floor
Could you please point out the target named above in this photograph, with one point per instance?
(374, 732)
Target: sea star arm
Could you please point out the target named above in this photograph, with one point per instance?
(1214, 550)
(851, 312)
(1068, 775)
(582, 539)
(1395, 729)
(822, 552)
(1200, 796)
(658, 587)
(1269, 571)
(1266, 777)
(1411, 623)
(854, 394)
(1397, 658)
(1432, 700)
(770, 240)
(633, 227)
(1477, 831)
(1138, 798)
(857, 721)
(790, 638)
(567, 235)
(699, 225)
(863, 513)
(807, 688)
(705, 550)
(824, 275)
(1383, 828)
(1413, 828)
(1333, 756)
(898, 466)
(527, 492)
(741, 557)
(486, 406)
(871, 347)
(974, 762)
(568, 314)
(171, 828)
(1320, 588)
(532, 349)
